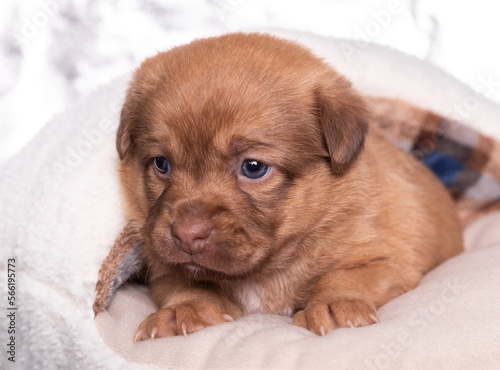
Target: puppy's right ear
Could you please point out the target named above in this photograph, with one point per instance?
(344, 119)
(123, 137)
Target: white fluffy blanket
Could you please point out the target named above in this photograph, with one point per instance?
(61, 210)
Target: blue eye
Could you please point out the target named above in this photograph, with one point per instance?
(162, 165)
(254, 169)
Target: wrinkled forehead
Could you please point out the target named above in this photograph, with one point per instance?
(211, 124)
(219, 119)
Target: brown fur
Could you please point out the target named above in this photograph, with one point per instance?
(342, 223)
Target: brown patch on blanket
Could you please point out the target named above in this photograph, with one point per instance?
(123, 261)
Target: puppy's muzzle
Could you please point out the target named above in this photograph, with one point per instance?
(192, 228)
(191, 236)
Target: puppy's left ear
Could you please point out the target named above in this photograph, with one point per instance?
(344, 119)
(123, 137)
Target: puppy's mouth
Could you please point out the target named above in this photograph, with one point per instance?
(195, 271)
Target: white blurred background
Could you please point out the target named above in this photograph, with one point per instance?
(55, 51)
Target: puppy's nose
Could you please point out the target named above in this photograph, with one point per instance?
(191, 237)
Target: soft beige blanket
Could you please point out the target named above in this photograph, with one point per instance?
(451, 321)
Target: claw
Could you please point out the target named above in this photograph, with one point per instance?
(227, 318)
(139, 336)
(154, 332)
(183, 327)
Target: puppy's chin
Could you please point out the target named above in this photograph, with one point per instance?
(195, 272)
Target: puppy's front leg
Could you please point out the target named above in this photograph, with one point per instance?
(350, 297)
(184, 309)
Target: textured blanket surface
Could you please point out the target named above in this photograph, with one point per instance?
(61, 211)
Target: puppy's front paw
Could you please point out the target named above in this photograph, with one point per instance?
(182, 319)
(321, 318)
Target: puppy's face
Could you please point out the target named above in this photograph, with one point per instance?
(227, 145)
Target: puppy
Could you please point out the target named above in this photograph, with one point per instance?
(260, 186)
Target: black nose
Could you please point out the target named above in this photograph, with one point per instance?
(191, 237)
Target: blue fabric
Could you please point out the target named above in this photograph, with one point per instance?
(444, 167)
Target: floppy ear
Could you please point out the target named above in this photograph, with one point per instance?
(143, 84)
(123, 138)
(344, 119)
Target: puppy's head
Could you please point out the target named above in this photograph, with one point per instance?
(226, 145)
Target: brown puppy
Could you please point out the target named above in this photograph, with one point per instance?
(261, 187)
